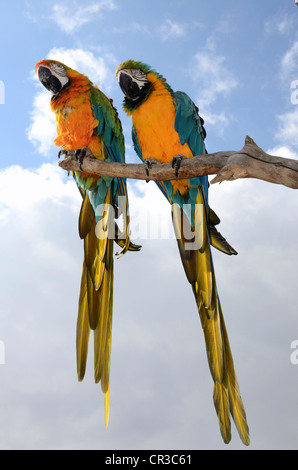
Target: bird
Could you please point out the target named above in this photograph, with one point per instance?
(167, 128)
(88, 125)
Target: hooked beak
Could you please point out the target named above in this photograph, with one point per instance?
(129, 86)
(49, 81)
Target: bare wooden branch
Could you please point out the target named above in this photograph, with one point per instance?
(249, 162)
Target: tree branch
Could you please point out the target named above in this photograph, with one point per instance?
(249, 162)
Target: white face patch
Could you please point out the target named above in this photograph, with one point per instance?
(59, 72)
(53, 77)
(63, 80)
(137, 76)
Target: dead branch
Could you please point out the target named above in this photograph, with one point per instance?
(250, 162)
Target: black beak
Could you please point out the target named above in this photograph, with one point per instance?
(129, 87)
(49, 81)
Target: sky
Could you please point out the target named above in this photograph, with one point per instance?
(239, 62)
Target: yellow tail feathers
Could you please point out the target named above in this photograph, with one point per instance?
(107, 407)
(96, 295)
(198, 265)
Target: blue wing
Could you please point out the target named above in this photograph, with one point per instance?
(110, 131)
(189, 126)
(109, 127)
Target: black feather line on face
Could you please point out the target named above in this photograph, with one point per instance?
(131, 105)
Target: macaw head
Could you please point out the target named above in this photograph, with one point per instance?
(53, 75)
(137, 80)
(134, 81)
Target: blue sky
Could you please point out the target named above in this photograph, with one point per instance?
(237, 60)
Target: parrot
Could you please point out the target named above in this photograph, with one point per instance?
(166, 128)
(88, 124)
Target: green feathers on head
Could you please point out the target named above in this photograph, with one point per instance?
(130, 106)
(133, 64)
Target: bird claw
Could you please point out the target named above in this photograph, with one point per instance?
(176, 163)
(80, 154)
(148, 165)
(66, 153)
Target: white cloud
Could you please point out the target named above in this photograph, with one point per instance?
(279, 23)
(46, 182)
(282, 151)
(219, 119)
(70, 17)
(172, 29)
(288, 128)
(287, 123)
(42, 130)
(157, 335)
(87, 63)
(216, 81)
(214, 75)
(41, 251)
(289, 64)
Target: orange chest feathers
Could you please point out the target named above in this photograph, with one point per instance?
(76, 125)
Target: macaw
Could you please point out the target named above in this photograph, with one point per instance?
(167, 128)
(88, 124)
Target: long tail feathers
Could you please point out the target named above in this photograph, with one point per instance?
(236, 404)
(195, 252)
(83, 327)
(96, 295)
(216, 238)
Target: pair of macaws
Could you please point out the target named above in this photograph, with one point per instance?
(166, 128)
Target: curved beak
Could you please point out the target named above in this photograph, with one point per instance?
(129, 86)
(49, 81)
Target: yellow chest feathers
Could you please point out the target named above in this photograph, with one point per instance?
(154, 121)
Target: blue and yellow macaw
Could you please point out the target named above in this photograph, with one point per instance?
(166, 128)
(87, 123)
